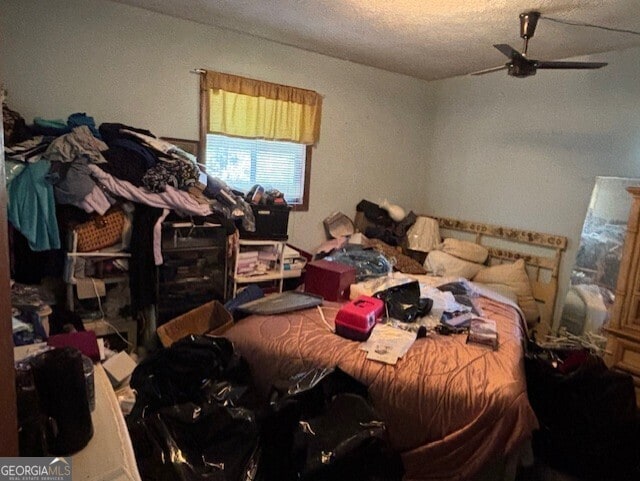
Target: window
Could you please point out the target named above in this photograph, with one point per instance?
(243, 163)
(254, 132)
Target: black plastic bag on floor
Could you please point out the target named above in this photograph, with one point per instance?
(321, 426)
(589, 425)
(190, 442)
(193, 417)
(182, 373)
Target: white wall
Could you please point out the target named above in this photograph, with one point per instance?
(525, 152)
(122, 64)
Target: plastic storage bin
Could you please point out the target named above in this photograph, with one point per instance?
(272, 222)
(356, 319)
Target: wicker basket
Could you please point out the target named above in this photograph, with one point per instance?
(100, 232)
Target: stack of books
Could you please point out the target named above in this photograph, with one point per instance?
(246, 263)
(293, 262)
(268, 257)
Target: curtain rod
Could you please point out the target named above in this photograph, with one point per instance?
(198, 70)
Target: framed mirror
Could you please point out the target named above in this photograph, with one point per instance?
(595, 272)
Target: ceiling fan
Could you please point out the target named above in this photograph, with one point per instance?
(519, 65)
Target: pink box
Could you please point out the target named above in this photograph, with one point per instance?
(356, 319)
(331, 280)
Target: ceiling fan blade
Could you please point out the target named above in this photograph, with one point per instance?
(569, 65)
(489, 70)
(508, 50)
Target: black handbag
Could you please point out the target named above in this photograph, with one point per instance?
(403, 302)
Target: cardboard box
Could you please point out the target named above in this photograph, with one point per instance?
(331, 280)
(210, 318)
(119, 368)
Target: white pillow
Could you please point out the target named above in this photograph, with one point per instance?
(465, 250)
(502, 290)
(515, 276)
(443, 264)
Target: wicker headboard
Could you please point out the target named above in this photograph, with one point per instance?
(541, 252)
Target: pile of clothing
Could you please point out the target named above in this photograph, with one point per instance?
(62, 173)
(73, 162)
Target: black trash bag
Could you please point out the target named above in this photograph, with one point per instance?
(189, 442)
(346, 442)
(183, 373)
(589, 425)
(194, 418)
(321, 426)
(403, 302)
(311, 391)
(385, 234)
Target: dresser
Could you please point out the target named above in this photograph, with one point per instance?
(623, 332)
(194, 269)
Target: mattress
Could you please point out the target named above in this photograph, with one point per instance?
(451, 408)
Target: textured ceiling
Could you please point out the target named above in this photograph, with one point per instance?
(427, 39)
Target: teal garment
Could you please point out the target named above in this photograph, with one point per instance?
(13, 168)
(56, 123)
(32, 209)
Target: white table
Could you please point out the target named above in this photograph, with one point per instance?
(109, 455)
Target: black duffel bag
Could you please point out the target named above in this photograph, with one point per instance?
(587, 414)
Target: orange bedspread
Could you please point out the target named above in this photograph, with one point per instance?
(450, 407)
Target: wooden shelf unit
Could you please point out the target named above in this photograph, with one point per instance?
(274, 274)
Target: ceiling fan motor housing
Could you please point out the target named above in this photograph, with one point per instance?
(528, 23)
(520, 70)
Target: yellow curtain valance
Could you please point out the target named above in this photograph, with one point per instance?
(244, 107)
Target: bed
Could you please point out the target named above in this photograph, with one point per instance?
(451, 408)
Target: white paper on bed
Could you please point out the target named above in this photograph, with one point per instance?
(387, 343)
